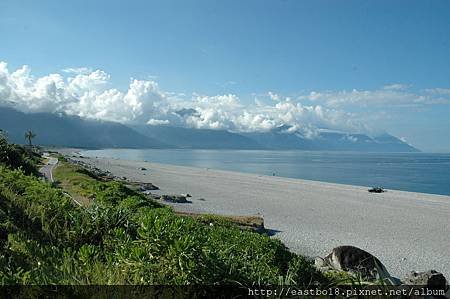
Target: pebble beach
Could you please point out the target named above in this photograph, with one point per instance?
(407, 231)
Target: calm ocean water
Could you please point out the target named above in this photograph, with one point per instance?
(418, 172)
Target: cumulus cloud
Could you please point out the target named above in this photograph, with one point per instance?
(83, 94)
(89, 93)
(227, 112)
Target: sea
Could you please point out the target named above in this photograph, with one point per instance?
(416, 172)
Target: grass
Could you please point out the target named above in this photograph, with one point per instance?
(74, 180)
(252, 223)
(123, 237)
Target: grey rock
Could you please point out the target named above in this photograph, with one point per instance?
(431, 279)
(147, 186)
(174, 198)
(376, 190)
(355, 260)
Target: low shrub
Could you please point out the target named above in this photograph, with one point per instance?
(14, 157)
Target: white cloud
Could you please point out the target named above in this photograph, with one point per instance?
(84, 94)
(226, 112)
(77, 70)
(438, 91)
(158, 122)
(88, 93)
(390, 95)
(351, 138)
(273, 96)
(396, 86)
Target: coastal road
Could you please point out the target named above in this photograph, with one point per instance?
(47, 170)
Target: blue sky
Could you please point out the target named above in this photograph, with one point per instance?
(387, 62)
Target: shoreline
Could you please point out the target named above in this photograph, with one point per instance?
(317, 167)
(311, 217)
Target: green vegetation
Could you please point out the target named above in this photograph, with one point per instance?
(77, 181)
(123, 237)
(342, 277)
(16, 157)
(251, 223)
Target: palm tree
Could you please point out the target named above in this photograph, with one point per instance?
(2, 136)
(29, 135)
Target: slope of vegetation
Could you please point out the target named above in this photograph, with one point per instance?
(125, 238)
(17, 157)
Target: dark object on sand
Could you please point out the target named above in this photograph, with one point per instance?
(147, 186)
(142, 168)
(152, 195)
(155, 196)
(376, 190)
(174, 198)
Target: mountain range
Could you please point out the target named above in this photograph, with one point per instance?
(71, 131)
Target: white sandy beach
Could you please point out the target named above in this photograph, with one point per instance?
(405, 230)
